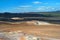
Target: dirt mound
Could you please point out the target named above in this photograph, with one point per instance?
(38, 23)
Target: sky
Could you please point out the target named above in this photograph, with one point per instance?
(29, 5)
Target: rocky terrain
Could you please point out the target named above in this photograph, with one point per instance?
(25, 29)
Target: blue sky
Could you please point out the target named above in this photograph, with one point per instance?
(29, 5)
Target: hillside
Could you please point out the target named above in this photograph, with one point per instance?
(52, 17)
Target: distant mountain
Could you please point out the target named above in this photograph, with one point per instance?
(31, 14)
(57, 11)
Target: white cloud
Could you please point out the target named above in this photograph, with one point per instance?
(41, 8)
(37, 2)
(49, 7)
(23, 7)
(26, 6)
(45, 8)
